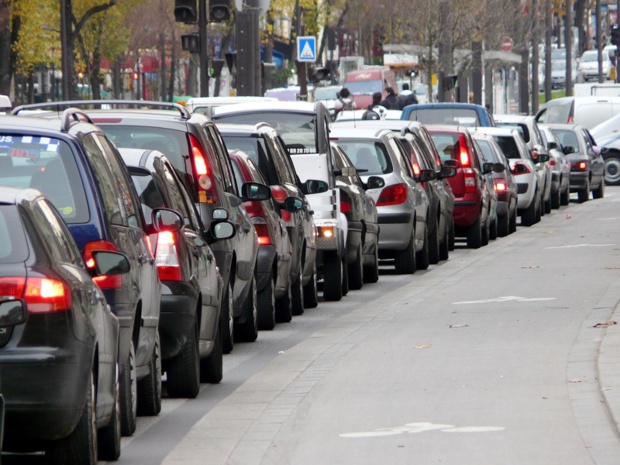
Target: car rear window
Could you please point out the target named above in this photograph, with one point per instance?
(567, 138)
(522, 128)
(13, 246)
(448, 145)
(509, 146)
(298, 130)
(369, 157)
(558, 113)
(46, 164)
(148, 192)
(256, 150)
(450, 116)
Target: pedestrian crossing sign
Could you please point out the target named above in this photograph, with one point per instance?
(306, 49)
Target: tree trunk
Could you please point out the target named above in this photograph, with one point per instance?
(173, 69)
(162, 69)
(117, 79)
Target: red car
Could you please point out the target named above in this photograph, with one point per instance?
(472, 217)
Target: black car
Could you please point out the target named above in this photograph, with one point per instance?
(192, 288)
(59, 339)
(81, 172)
(195, 148)
(265, 147)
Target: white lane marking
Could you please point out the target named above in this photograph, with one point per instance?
(576, 246)
(413, 428)
(510, 298)
(610, 219)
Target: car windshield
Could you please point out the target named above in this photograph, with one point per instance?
(364, 87)
(451, 116)
(558, 54)
(567, 138)
(522, 128)
(326, 93)
(368, 156)
(13, 246)
(298, 130)
(46, 164)
(589, 56)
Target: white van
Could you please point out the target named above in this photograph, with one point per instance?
(205, 105)
(586, 111)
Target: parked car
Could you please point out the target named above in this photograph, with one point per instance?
(80, 171)
(472, 204)
(587, 169)
(462, 114)
(504, 184)
(529, 130)
(587, 111)
(523, 166)
(275, 253)
(402, 204)
(267, 149)
(195, 148)
(192, 289)
(363, 227)
(304, 128)
(560, 169)
(588, 63)
(607, 137)
(59, 339)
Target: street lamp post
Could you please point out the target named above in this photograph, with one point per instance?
(204, 49)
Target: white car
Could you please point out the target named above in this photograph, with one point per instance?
(588, 65)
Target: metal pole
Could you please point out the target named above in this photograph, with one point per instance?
(204, 49)
(548, 27)
(65, 24)
(568, 41)
(535, 57)
(444, 49)
(599, 42)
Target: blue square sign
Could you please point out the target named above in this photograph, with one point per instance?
(306, 49)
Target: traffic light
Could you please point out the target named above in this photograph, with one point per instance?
(216, 67)
(219, 10)
(615, 35)
(190, 42)
(231, 62)
(185, 11)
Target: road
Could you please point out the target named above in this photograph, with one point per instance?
(491, 358)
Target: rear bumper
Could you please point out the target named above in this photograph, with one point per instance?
(466, 211)
(578, 180)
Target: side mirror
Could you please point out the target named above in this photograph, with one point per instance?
(374, 182)
(346, 171)
(552, 145)
(109, 263)
(499, 167)
(222, 230)
(487, 167)
(314, 186)
(567, 149)
(12, 312)
(425, 176)
(164, 219)
(447, 171)
(452, 162)
(596, 149)
(255, 191)
(293, 204)
(542, 158)
(220, 214)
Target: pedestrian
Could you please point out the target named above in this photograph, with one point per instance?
(406, 97)
(344, 101)
(390, 102)
(370, 113)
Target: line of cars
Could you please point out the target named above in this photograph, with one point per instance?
(200, 232)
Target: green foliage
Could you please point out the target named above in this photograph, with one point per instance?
(39, 38)
(282, 74)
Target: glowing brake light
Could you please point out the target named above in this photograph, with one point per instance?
(579, 166)
(104, 282)
(262, 230)
(207, 192)
(42, 295)
(167, 258)
(393, 195)
(345, 206)
(499, 185)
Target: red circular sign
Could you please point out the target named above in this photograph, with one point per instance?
(506, 44)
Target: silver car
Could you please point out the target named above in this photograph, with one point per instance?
(402, 204)
(560, 169)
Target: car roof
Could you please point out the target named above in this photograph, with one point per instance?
(393, 124)
(499, 131)
(15, 195)
(359, 133)
(513, 118)
(31, 123)
(561, 126)
(447, 128)
(301, 107)
(245, 129)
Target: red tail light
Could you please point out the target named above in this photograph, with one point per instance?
(469, 175)
(579, 166)
(393, 195)
(280, 195)
(552, 162)
(570, 120)
(521, 168)
(167, 257)
(206, 187)
(262, 230)
(253, 208)
(345, 206)
(104, 282)
(499, 185)
(42, 295)
(464, 157)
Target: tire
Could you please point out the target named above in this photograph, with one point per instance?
(80, 447)
(444, 246)
(452, 237)
(345, 276)
(183, 371)
(565, 197)
(555, 199)
(267, 306)
(311, 296)
(486, 232)
(227, 322)
(612, 171)
(248, 331)
(433, 246)
(599, 192)
(503, 225)
(548, 205)
(493, 229)
(332, 276)
(284, 307)
(512, 225)
(297, 295)
(474, 235)
(109, 437)
(530, 215)
(405, 260)
(422, 258)
(371, 272)
(584, 194)
(149, 387)
(212, 367)
(356, 271)
(129, 393)
(540, 211)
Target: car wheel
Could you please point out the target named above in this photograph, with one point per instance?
(227, 322)
(81, 445)
(486, 232)
(129, 393)
(405, 260)
(332, 280)
(212, 366)
(512, 225)
(452, 241)
(565, 197)
(297, 294)
(555, 199)
(149, 387)
(530, 215)
(612, 171)
(284, 307)
(493, 229)
(311, 297)
(548, 205)
(503, 225)
(371, 272)
(356, 271)
(267, 306)
(474, 234)
(599, 192)
(422, 258)
(248, 331)
(345, 276)
(444, 246)
(109, 437)
(584, 194)
(183, 371)
(433, 246)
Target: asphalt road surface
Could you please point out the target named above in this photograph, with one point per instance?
(490, 358)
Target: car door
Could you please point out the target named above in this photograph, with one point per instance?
(597, 163)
